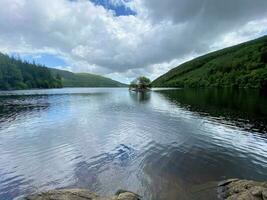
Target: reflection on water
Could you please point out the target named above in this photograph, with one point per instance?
(164, 144)
(13, 106)
(245, 108)
(142, 97)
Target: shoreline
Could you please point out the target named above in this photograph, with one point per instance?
(230, 189)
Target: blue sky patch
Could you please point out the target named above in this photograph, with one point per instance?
(48, 60)
(119, 9)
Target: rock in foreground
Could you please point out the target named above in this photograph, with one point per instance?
(231, 189)
(235, 189)
(80, 194)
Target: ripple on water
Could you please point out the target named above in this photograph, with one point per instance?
(164, 145)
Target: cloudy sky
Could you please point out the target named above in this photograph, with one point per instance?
(122, 39)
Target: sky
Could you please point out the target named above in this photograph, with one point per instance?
(124, 39)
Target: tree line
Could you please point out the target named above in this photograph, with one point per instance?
(18, 74)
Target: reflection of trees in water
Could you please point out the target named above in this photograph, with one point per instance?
(243, 108)
(188, 173)
(12, 107)
(142, 97)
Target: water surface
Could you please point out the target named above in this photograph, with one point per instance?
(164, 144)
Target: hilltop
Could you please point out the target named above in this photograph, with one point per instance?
(70, 79)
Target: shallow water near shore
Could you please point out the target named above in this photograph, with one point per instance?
(162, 144)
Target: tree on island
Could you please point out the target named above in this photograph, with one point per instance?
(140, 84)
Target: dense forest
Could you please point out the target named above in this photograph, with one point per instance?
(240, 66)
(18, 74)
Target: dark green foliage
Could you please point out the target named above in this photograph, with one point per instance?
(240, 66)
(70, 79)
(140, 83)
(17, 74)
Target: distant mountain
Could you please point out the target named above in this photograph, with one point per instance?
(18, 74)
(70, 79)
(241, 66)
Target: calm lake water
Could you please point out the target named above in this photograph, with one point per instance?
(164, 144)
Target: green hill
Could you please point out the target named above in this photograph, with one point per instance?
(241, 66)
(18, 74)
(70, 79)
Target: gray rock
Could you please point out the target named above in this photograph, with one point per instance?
(264, 195)
(233, 189)
(226, 182)
(126, 195)
(64, 194)
(80, 194)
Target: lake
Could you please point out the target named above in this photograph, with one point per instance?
(164, 144)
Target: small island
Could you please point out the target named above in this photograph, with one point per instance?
(140, 84)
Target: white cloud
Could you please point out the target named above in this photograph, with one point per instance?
(160, 36)
(245, 33)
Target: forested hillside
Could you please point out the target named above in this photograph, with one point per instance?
(70, 79)
(18, 74)
(241, 66)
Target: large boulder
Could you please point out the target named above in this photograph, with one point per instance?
(235, 189)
